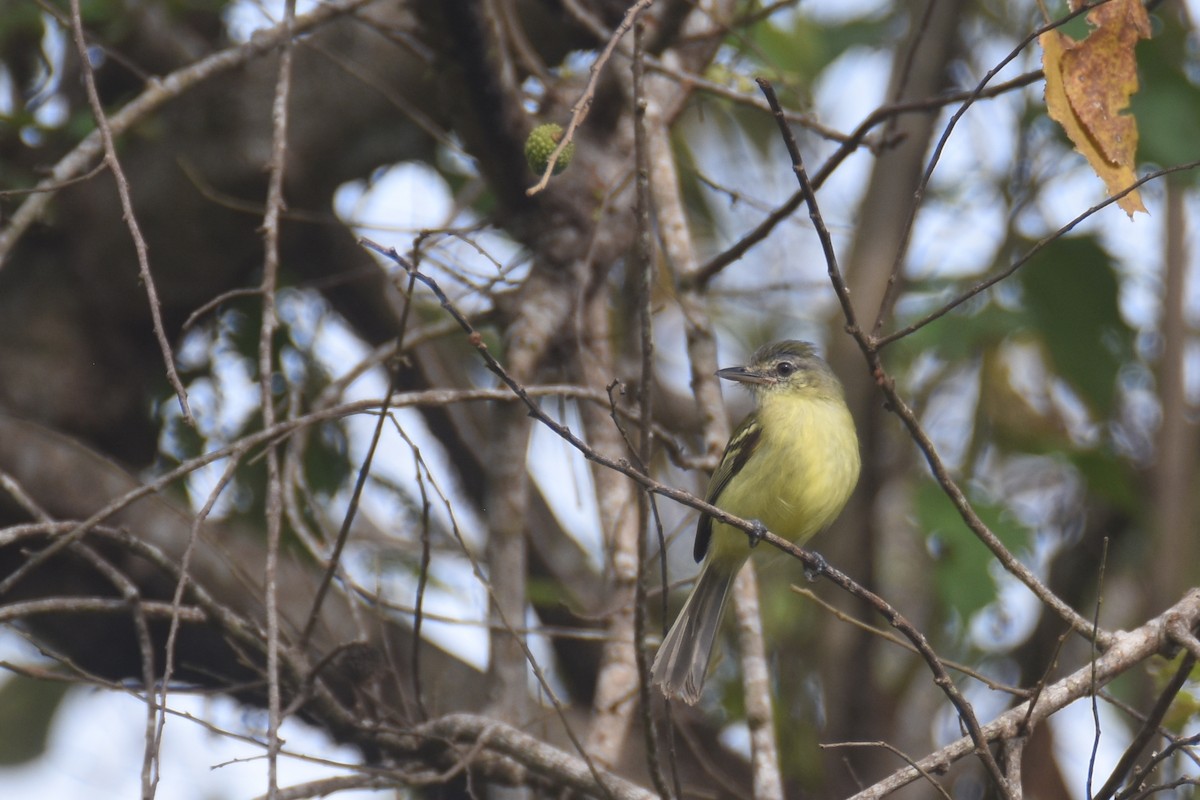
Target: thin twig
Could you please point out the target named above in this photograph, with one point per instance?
(135, 231)
(849, 144)
(922, 771)
(5, 193)
(343, 534)
(645, 264)
(1043, 679)
(990, 281)
(74, 531)
(567, 771)
(579, 111)
(1096, 689)
(15, 490)
(266, 378)
(12, 612)
(1149, 728)
(132, 596)
(1166, 734)
(181, 585)
(1137, 785)
(418, 611)
(813, 597)
(222, 298)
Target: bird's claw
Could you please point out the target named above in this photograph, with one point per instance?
(758, 532)
(818, 568)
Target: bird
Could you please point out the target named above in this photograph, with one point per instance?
(791, 465)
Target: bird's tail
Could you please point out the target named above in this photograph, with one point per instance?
(682, 661)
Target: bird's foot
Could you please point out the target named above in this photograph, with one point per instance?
(817, 568)
(757, 533)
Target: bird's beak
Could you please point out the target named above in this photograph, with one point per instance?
(743, 375)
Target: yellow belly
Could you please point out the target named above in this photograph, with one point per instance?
(796, 485)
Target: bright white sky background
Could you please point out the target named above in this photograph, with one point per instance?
(96, 743)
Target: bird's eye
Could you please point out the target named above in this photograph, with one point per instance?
(785, 368)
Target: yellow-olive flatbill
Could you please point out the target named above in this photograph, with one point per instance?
(790, 465)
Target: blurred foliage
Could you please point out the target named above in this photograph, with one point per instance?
(1071, 293)
(1113, 479)
(977, 324)
(793, 49)
(326, 460)
(27, 708)
(1186, 708)
(961, 562)
(1168, 104)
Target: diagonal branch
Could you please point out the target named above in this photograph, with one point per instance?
(1127, 651)
(135, 231)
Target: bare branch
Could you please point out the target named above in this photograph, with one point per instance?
(82, 158)
(1128, 649)
(135, 232)
(535, 755)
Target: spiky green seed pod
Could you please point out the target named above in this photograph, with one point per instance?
(541, 143)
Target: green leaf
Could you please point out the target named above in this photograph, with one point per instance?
(793, 49)
(960, 560)
(1167, 106)
(960, 335)
(326, 460)
(27, 708)
(1071, 292)
(1111, 477)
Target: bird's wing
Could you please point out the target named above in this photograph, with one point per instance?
(742, 444)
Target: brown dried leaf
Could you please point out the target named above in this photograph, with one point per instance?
(1088, 86)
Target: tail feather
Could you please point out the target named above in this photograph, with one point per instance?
(682, 661)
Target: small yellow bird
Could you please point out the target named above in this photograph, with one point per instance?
(790, 465)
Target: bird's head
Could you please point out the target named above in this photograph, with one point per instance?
(786, 366)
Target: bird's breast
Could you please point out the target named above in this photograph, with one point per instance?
(802, 473)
